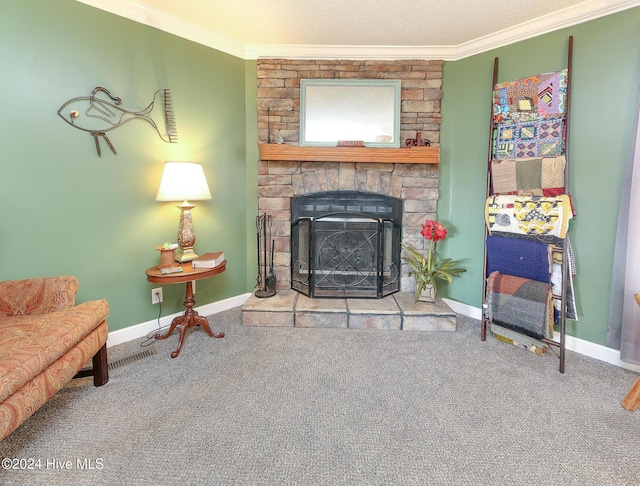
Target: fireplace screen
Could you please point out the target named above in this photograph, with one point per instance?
(346, 244)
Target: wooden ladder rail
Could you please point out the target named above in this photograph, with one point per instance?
(488, 191)
(566, 265)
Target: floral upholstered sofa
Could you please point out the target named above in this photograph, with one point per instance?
(45, 340)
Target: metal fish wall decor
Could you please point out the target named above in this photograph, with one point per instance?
(101, 112)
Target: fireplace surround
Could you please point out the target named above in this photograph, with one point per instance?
(282, 178)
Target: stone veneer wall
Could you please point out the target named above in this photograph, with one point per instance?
(279, 181)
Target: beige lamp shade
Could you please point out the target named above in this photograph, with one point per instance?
(182, 181)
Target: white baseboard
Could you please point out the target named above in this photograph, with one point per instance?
(593, 350)
(464, 309)
(144, 328)
(587, 348)
(596, 351)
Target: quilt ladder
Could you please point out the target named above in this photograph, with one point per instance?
(565, 268)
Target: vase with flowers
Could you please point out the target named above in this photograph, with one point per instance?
(427, 270)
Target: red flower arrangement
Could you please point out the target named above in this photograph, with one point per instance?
(427, 271)
(432, 230)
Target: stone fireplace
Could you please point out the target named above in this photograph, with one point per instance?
(415, 185)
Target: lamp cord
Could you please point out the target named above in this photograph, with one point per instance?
(151, 336)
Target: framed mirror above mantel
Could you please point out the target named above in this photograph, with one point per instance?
(365, 110)
(371, 155)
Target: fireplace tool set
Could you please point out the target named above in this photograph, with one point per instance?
(266, 275)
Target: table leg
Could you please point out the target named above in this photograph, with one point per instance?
(189, 319)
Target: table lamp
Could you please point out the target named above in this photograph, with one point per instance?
(184, 181)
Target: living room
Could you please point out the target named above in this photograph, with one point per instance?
(69, 211)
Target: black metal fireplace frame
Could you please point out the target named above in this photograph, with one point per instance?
(365, 226)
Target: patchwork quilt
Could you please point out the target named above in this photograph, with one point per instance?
(518, 339)
(543, 137)
(529, 98)
(528, 176)
(520, 304)
(544, 219)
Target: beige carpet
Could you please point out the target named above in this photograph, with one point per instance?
(284, 406)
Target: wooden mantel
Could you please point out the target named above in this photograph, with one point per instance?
(371, 155)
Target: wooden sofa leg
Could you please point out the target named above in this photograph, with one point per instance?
(100, 367)
(632, 400)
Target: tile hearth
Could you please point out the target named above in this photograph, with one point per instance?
(289, 308)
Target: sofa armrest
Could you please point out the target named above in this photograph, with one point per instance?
(34, 296)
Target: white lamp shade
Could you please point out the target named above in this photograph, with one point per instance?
(182, 181)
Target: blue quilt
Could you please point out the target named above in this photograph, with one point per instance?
(521, 258)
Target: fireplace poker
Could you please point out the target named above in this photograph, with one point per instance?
(271, 279)
(258, 278)
(264, 242)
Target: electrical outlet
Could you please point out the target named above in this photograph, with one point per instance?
(156, 295)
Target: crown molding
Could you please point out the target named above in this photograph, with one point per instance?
(288, 51)
(583, 12)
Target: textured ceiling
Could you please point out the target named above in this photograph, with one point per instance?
(358, 22)
(359, 29)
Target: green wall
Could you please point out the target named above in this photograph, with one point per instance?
(66, 211)
(606, 75)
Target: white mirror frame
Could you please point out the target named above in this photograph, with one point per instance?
(364, 110)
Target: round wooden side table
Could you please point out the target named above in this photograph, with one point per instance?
(190, 317)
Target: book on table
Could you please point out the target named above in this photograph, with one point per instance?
(208, 260)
